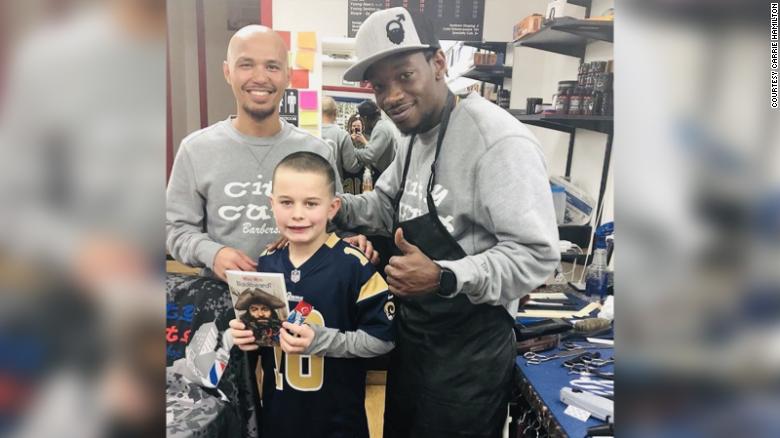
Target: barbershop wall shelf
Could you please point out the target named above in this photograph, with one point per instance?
(568, 36)
(494, 74)
(493, 46)
(566, 123)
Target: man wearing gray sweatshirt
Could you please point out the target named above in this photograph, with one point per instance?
(378, 152)
(218, 215)
(338, 139)
(468, 202)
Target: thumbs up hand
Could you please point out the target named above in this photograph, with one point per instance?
(412, 273)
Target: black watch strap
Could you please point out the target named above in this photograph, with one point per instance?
(448, 283)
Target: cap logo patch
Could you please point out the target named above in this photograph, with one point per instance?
(395, 30)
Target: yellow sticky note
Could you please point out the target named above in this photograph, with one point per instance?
(307, 40)
(309, 118)
(304, 59)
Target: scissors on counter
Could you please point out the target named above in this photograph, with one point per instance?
(532, 358)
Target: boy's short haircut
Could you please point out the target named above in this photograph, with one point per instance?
(309, 162)
(329, 106)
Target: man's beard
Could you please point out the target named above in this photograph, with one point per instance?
(258, 115)
(425, 125)
(428, 121)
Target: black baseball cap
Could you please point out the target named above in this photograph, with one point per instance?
(368, 108)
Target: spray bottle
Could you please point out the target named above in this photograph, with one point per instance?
(596, 274)
(368, 182)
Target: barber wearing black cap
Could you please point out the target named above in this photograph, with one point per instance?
(469, 205)
(378, 151)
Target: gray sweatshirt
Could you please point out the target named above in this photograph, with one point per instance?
(218, 191)
(341, 144)
(492, 194)
(334, 343)
(381, 147)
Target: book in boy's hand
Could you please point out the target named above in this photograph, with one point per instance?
(260, 302)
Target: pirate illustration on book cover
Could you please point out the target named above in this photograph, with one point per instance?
(260, 315)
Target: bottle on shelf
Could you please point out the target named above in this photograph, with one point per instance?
(368, 180)
(597, 273)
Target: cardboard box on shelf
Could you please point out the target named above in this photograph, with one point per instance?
(527, 25)
(485, 58)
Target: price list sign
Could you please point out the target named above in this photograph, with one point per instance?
(460, 20)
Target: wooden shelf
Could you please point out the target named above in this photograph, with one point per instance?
(590, 30)
(489, 73)
(583, 3)
(568, 36)
(566, 123)
(493, 46)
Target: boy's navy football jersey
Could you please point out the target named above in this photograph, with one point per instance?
(314, 395)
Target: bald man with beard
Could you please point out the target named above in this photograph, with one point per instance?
(218, 214)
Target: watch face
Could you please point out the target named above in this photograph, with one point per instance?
(448, 282)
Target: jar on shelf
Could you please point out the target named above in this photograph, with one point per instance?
(599, 66)
(603, 82)
(604, 88)
(562, 97)
(575, 101)
(606, 103)
(503, 99)
(588, 80)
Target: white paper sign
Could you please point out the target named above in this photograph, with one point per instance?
(578, 413)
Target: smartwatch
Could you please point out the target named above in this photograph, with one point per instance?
(448, 283)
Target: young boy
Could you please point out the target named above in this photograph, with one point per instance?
(314, 381)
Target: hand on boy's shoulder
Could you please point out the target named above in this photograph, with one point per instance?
(360, 242)
(229, 258)
(279, 244)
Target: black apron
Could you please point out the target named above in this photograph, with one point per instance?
(450, 373)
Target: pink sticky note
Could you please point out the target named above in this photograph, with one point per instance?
(308, 100)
